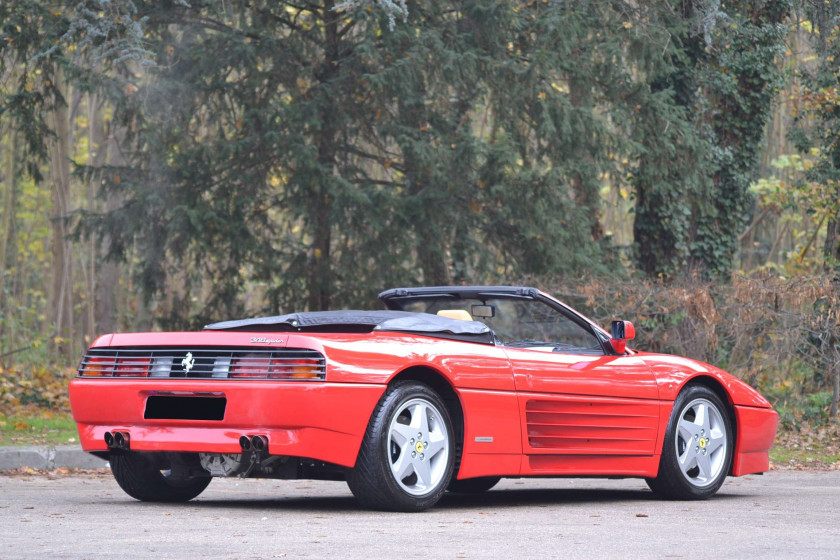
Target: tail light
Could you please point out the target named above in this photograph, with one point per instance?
(265, 368)
(97, 367)
(250, 368)
(133, 367)
(296, 364)
(115, 367)
(305, 369)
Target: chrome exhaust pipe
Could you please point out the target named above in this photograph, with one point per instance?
(109, 439)
(245, 443)
(122, 440)
(260, 443)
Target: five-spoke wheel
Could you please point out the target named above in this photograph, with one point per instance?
(698, 447)
(418, 446)
(407, 455)
(701, 442)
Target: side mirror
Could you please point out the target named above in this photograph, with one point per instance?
(622, 331)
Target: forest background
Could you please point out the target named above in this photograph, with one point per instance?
(169, 163)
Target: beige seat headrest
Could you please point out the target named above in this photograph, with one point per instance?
(460, 314)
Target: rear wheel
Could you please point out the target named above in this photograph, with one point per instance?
(473, 485)
(159, 478)
(697, 453)
(407, 455)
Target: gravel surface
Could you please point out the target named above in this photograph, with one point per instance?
(784, 514)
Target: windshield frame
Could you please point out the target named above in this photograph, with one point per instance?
(397, 298)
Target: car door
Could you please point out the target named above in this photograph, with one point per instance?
(575, 398)
(585, 404)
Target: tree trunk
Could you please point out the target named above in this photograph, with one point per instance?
(98, 149)
(61, 290)
(834, 351)
(108, 278)
(836, 393)
(320, 259)
(831, 247)
(660, 225)
(7, 241)
(320, 277)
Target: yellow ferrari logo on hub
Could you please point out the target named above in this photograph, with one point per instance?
(702, 442)
(419, 447)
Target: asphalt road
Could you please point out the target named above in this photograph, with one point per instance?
(783, 514)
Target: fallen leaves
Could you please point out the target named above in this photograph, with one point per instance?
(26, 472)
(808, 448)
(43, 389)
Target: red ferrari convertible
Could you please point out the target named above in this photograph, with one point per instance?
(449, 389)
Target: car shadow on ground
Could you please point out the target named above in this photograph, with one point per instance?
(543, 496)
(498, 498)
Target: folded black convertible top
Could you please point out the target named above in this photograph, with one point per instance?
(363, 321)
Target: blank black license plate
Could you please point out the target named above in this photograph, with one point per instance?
(160, 407)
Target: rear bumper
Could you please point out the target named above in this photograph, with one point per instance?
(322, 421)
(756, 432)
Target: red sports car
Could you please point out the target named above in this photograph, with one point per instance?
(451, 388)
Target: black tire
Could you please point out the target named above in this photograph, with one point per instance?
(158, 478)
(473, 485)
(695, 471)
(386, 449)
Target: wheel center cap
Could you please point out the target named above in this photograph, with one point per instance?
(702, 443)
(418, 446)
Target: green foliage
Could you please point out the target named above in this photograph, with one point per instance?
(23, 296)
(818, 129)
(672, 151)
(801, 201)
(271, 156)
(692, 186)
(29, 28)
(816, 407)
(742, 80)
(466, 146)
(793, 393)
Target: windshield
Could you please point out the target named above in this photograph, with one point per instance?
(517, 322)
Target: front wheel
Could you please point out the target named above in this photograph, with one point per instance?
(697, 453)
(159, 477)
(407, 455)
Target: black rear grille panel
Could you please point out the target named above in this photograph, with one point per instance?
(203, 363)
